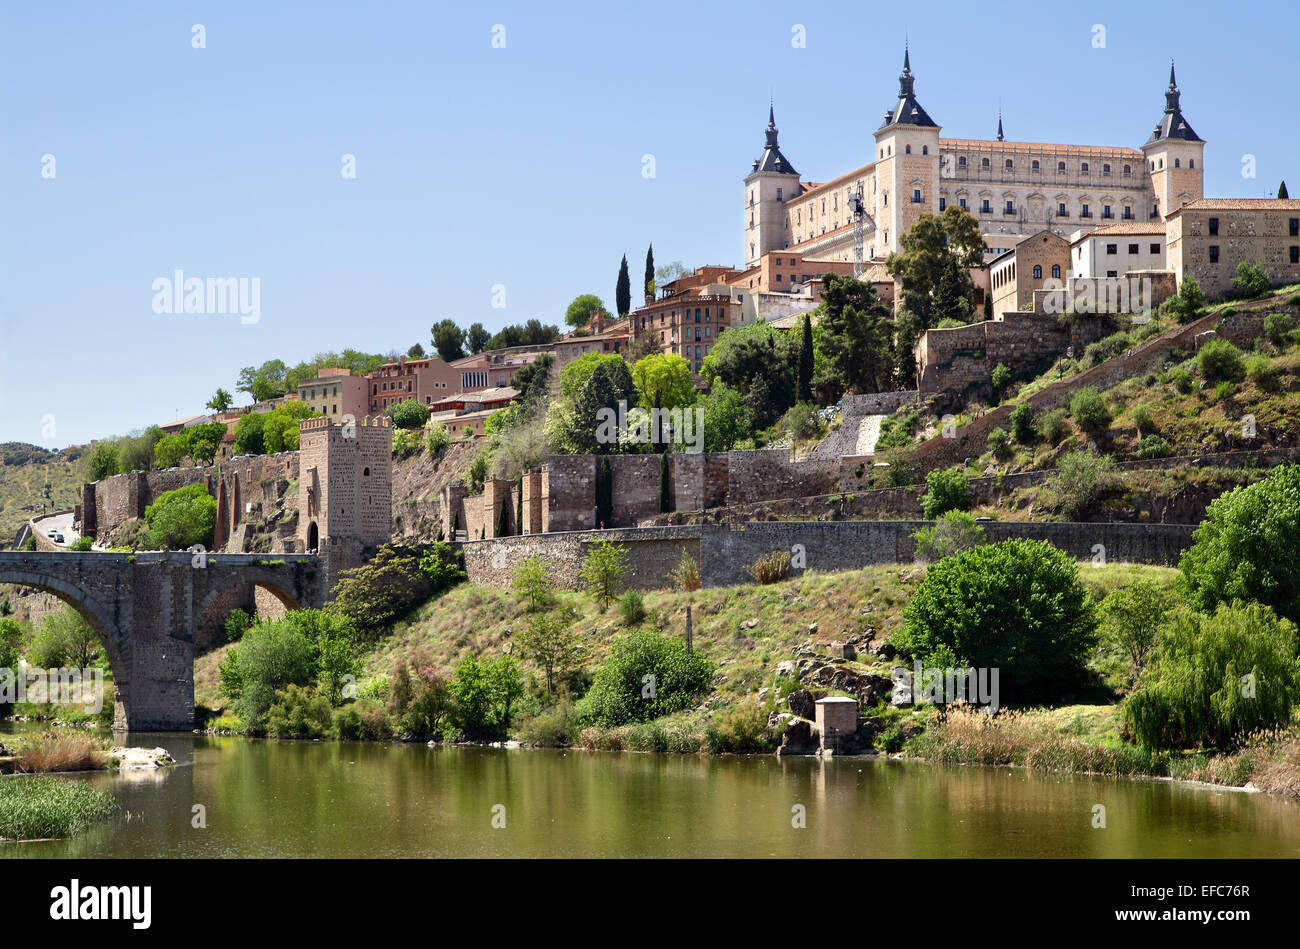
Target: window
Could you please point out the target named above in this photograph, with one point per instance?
(1085, 212)
(1112, 248)
(961, 161)
(1295, 254)
(1033, 166)
(1295, 227)
(1214, 253)
(1128, 212)
(885, 197)
(1083, 168)
(1060, 167)
(1132, 248)
(1155, 210)
(984, 162)
(1010, 208)
(1155, 248)
(1105, 170)
(1178, 163)
(778, 194)
(925, 149)
(1105, 211)
(961, 203)
(1112, 273)
(1191, 163)
(916, 195)
(778, 278)
(1038, 271)
(984, 206)
(1056, 271)
(1214, 226)
(1128, 171)
(1060, 210)
(1009, 165)
(943, 204)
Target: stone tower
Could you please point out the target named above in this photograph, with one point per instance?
(1174, 154)
(772, 182)
(345, 490)
(907, 165)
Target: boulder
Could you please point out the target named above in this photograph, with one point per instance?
(799, 738)
(802, 703)
(787, 669)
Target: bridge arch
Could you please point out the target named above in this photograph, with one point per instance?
(211, 610)
(116, 646)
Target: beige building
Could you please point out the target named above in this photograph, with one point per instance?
(1014, 189)
(1116, 250)
(336, 393)
(1209, 237)
(1027, 267)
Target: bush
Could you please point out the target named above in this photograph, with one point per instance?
(418, 698)
(237, 623)
(180, 519)
(687, 575)
(896, 430)
(1017, 606)
(299, 712)
(1052, 426)
(271, 657)
(1215, 679)
(770, 568)
(408, 414)
(1187, 304)
(362, 720)
(380, 591)
(1244, 548)
(1223, 391)
(1251, 280)
(1260, 371)
(1022, 423)
(443, 566)
(1088, 409)
(554, 728)
(742, 731)
(1278, 326)
(999, 441)
(1152, 446)
(1220, 361)
(644, 677)
(948, 490)
(1106, 348)
(632, 608)
(1143, 419)
(82, 544)
(952, 533)
(1182, 380)
(1000, 377)
(1079, 475)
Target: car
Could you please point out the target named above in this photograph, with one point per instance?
(58, 538)
(51, 532)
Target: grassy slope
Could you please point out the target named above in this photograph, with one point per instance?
(22, 488)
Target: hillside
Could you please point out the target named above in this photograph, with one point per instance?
(25, 470)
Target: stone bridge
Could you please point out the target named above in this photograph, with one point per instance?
(150, 608)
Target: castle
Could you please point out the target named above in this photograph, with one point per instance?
(1014, 189)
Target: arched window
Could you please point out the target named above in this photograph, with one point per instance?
(1009, 164)
(1083, 168)
(925, 149)
(1105, 169)
(1178, 163)
(1034, 165)
(984, 162)
(1038, 271)
(1128, 170)
(907, 150)
(1191, 163)
(961, 161)
(1056, 271)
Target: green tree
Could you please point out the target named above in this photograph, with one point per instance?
(416, 351)
(221, 401)
(1022, 423)
(582, 308)
(948, 490)
(952, 532)
(473, 694)
(670, 272)
(1088, 409)
(649, 282)
(101, 461)
(803, 390)
(181, 518)
(372, 596)
(270, 657)
(1000, 378)
(408, 413)
(604, 571)
(550, 643)
(596, 408)
(1131, 617)
(1244, 548)
(1187, 304)
(756, 350)
(477, 338)
(663, 380)
(64, 639)
(1215, 679)
(949, 242)
(531, 579)
(1079, 476)
(1251, 280)
(170, 451)
(1017, 606)
(727, 420)
(448, 340)
(507, 686)
(263, 382)
(623, 290)
(203, 440)
(855, 335)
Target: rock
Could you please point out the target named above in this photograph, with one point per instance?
(762, 694)
(882, 650)
(799, 738)
(787, 669)
(749, 623)
(812, 629)
(134, 759)
(802, 703)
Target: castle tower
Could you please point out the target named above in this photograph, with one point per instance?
(345, 490)
(1174, 155)
(772, 182)
(907, 164)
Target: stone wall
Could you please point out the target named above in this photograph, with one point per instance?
(653, 553)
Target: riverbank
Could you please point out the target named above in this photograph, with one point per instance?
(49, 753)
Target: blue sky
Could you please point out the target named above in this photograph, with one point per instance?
(478, 166)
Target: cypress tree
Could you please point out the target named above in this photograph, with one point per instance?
(1281, 191)
(519, 506)
(806, 362)
(623, 290)
(650, 270)
(665, 499)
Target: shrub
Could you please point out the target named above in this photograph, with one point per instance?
(1223, 391)
(896, 430)
(1153, 446)
(1182, 380)
(644, 677)
(375, 594)
(1251, 280)
(554, 728)
(1143, 419)
(740, 731)
(1278, 326)
(237, 623)
(42, 807)
(436, 436)
(1244, 548)
(418, 698)
(953, 532)
(1106, 348)
(1079, 475)
(82, 544)
(1022, 423)
(1000, 377)
(1130, 618)
(687, 575)
(1088, 409)
(947, 490)
(299, 712)
(1187, 304)
(443, 566)
(1215, 679)
(1017, 606)
(362, 720)
(1052, 426)
(1220, 361)
(182, 518)
(770, 568)
(999, 441)
(550, 643)
(271, 657)
(1260, 371)
(604, 571)
(632, 608)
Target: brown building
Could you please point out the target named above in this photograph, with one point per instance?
(336, 393)
(688, 323)
(424, 380)
(1016, 274)
(1208, 238)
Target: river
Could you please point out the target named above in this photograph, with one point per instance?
(236, 797)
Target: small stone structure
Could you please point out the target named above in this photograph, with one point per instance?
(837, 718)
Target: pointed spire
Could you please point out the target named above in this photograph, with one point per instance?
(907, 63)
(1173, 83)
(999, 126)
(771, 115)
